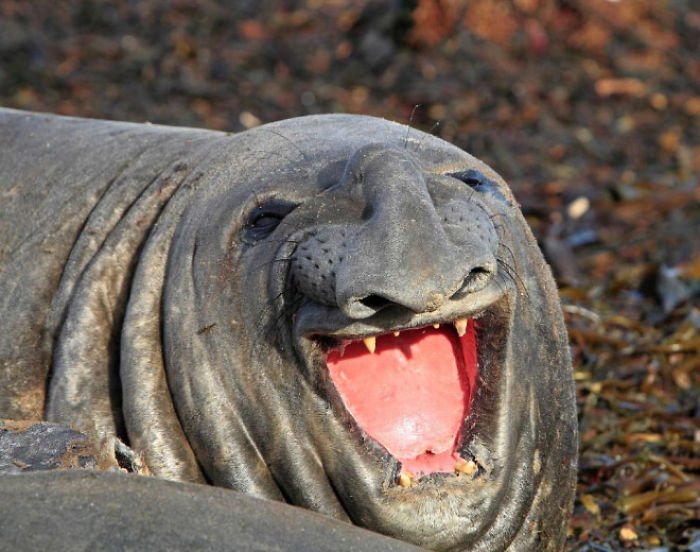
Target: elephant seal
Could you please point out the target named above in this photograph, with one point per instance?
(334, 311)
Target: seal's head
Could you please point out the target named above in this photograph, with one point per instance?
(335, 311)
(363, 325)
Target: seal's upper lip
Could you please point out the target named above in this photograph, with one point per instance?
(313, 320)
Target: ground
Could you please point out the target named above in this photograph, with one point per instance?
(589, 108)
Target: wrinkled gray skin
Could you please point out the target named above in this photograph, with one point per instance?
(172, 287)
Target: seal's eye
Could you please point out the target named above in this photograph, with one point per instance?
(263, 219)
(474, 179)
(478, 182)
(266, 221)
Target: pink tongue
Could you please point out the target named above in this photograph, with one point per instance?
(412, 394)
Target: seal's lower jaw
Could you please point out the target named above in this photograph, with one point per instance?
(410, 392)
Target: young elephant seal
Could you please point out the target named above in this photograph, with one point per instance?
(334, 311)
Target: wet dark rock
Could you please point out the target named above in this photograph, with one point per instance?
(37, 446)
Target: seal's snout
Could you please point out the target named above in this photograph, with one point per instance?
(415, 247)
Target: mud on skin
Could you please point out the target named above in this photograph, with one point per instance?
(333, 311)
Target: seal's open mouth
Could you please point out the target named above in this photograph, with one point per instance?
(411, 391)
(422, 387)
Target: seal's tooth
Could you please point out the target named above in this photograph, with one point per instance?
(397, 334)
(466, 467)
(370, 343)
(461, 326)
(343, 345)
(406, 479)
(436, 325)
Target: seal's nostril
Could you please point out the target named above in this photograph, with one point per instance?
(477, 279)
(375, 302)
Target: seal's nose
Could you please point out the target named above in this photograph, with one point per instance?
(401, 255)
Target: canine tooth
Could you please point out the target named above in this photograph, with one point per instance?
(406, 479)
(436, 325)
(467, 467)
(397, 334)
(370, 343)
(461, 326)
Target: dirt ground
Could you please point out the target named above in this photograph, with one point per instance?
(589, 108)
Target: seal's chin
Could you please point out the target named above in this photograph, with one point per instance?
(411, 391)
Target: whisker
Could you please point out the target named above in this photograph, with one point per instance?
(288, 140)
(513, 274)
(408, 126)
(273, 261)
(275, 328)
(436, 124)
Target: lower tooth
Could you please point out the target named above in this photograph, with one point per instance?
(406, 479)
(466, 467)
(436, 326)
(341, 348)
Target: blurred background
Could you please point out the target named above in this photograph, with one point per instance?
(589, 108)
